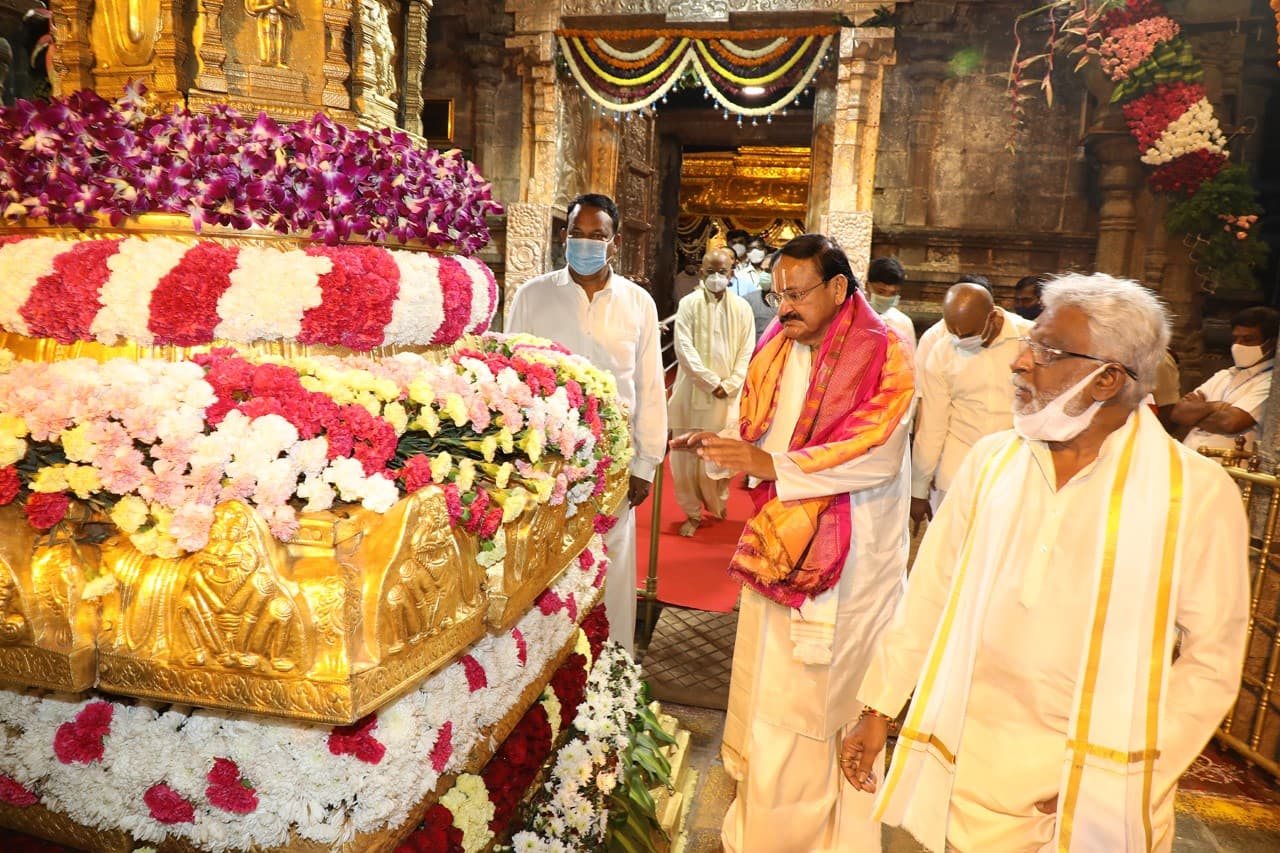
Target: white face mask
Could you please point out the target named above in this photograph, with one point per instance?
(1051, 422)
(755, 256)
(716, 282)
(1245, 356)
(970, 344)
(739, 249)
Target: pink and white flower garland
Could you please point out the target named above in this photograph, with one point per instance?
(225, 782)
(170, 292)
(157, 445)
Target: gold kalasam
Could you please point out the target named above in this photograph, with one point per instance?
(357, 609)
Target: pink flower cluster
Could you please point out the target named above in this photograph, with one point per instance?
(1125, 48)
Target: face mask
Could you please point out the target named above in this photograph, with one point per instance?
(755, 256)
(970, 343)
(765, 281)
(739, 249)
(586, 257)
(716, 282)
(1027, 312)
(881, 304)
(1051, 422)
(1245, 356)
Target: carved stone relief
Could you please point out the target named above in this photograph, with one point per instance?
(528, 230)
(852, 230)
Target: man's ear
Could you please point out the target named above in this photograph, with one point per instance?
(845, 290)
(1108, 384)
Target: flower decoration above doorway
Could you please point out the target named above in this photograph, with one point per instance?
(754, 73)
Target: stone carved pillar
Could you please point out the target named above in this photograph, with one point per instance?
(529, 220)
(1119, 178)
(926, 78)
(73, 60)
(485, 60)
(850, 171)
(210, 49)
(415, 50)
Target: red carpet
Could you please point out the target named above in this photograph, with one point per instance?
(691, 571)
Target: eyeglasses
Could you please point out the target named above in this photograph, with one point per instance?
(774, 298)
(1044, 355)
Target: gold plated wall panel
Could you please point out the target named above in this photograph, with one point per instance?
(353, 612)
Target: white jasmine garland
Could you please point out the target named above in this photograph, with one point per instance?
(301, 786)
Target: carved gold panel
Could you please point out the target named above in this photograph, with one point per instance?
(355, 610)
(753, 182)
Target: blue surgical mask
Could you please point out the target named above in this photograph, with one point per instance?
(586, 257)
(765, 281)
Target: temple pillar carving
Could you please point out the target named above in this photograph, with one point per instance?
(375, 87)
(529, 219)
(415, 50)
(73, 60)
(926, 77)
(843, 177)
(1119, 180)
(486, 60)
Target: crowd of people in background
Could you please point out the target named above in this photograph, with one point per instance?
(1073, 534)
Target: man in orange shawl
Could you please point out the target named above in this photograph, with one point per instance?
(823, 560)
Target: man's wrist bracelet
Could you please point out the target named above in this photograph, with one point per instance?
(868, 711)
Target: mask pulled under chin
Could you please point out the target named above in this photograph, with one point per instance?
(1051, 421)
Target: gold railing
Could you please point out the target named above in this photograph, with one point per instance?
(1252, 728)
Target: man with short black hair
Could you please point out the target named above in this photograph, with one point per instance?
(884, 284)
(1026, 295)
(612, 322)
(1227, 406)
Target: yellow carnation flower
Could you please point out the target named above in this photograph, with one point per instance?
(395, 415)
(83, 480)
(52, 478)
(129, 513)
(456, 409)
(11, 450)
(421, 392)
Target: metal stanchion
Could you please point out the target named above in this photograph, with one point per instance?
(650, 591)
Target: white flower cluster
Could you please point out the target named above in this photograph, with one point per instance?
(301, 786)
(576, 815)
(1195, 129)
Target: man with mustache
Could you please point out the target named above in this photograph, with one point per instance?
(822, 560)
(1038, 628)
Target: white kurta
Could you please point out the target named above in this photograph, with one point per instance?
(964, 396)
(786, 719)
(1029, 646)
(902, 324)
(713, 343)
(1246, 389)
(616, 331)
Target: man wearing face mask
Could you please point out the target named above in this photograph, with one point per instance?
(612, 322)
(1026, 296)
(713, 342)
(884, 283)
(746, 277)
(758, 300)
(965, 391)
(1228, 405)
(1036, 636)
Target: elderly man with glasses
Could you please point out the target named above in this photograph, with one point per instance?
(1036, 638)
(822, 427)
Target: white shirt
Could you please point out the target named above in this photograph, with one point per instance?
(1032, 637)
(616, 331)
(964, 396)
(933, 334)
(901, 323)
(746, 278)
(713, 342)
(1246, 389)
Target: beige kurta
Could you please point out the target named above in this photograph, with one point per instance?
(1028, 649)
(786, 718)
(713, 343)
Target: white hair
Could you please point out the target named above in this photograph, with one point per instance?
(1127, 322)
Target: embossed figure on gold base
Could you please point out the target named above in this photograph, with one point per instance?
(273, 18)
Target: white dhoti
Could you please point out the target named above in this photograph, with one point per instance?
(695, 489)
(620, 581)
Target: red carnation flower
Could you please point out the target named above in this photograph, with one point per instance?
(437, 834)
(168, 806)
(476, 677)
(357, 739)
(416, 473)
(45, 509)
(228, 791)
(443, 749)
(604, 523)
(10, 484)
(80, 741)
(522, 648)
(14, 793)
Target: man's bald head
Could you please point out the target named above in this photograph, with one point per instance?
(968, 310)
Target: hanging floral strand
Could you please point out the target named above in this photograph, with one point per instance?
(1141, 50)
(778, 64)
